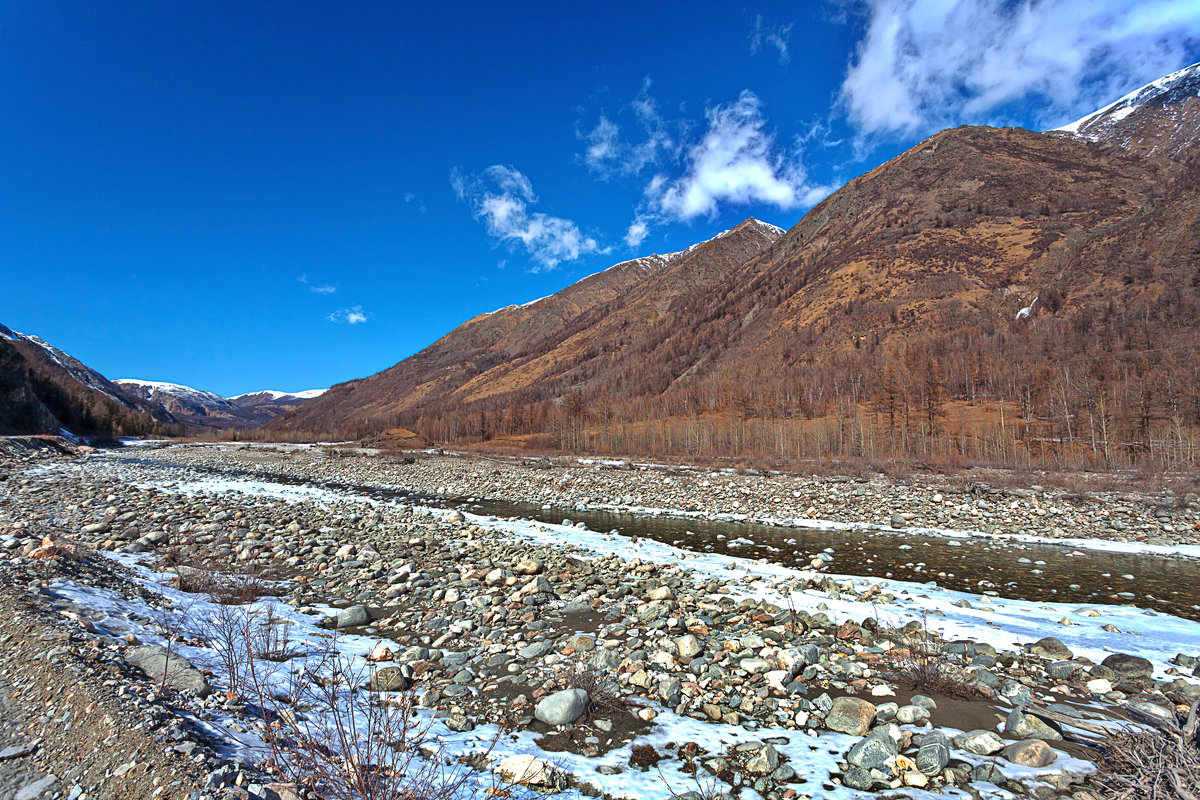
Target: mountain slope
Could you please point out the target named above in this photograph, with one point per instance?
(1161, 118)
(557, 340)
(1054, 271)
(42, 389)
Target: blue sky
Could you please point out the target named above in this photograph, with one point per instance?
(239, 196)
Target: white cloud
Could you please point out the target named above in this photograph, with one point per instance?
(317, 288)
(928, 64)
(609, 155)
(763, 36)
(500, 196)
(637, 233)
(354, 315)
(736, 162)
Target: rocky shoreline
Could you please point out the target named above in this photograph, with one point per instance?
(1158, 520)
(612, 674)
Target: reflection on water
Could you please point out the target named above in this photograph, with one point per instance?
(1010, 569)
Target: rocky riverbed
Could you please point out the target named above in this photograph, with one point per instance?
(548, 658)
(1154, 521)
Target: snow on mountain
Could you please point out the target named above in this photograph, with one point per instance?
(1160, 117)
(153, 389)
(275, 394)
(75, 368)
(655, 261)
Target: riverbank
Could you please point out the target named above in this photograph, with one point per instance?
(727, 672)
(1129, 522)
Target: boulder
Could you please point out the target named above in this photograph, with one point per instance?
(532, 771)
(352, 617)
(529, 566)
(933, 755)
(980, 742)
(872, 752)
(1027, 726)
(764, 761)
(1052, 649)
(1030, 753)
(850, 715)
(390, 679)
(535, 650)
(178, 672)
(562, 708)
(689, 647)
(1127, 667)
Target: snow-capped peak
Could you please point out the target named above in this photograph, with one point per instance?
(275, 394)
(1102, 124)
(172, 389)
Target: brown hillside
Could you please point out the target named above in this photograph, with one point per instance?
(903, 290)
(560, 340)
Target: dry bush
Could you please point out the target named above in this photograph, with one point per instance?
(224, 588)
(226, 632)
(199, 574)
(270, 637)
(604, 695)
(349, 744)
(1148, 765)
(932, 670)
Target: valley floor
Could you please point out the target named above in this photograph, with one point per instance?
(581, 661)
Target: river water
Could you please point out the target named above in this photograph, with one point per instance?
(1040, 572)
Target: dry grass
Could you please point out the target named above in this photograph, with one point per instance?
(195, 574)
(931, 670)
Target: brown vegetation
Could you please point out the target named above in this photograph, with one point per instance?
(884, 326)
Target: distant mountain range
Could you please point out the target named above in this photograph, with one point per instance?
(44, 390)
(1058, 271)
(199, 409)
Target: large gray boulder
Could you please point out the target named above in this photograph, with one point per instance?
(353, 617)
(980, 742)
(390, 679)
(562, 708)
(174, 669)
(850, 715)
(872, 752)
(1052, 649)
(1027, 726)
(1127, 667)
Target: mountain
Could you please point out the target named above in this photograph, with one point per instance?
(44, 390)
(265, 405)
(985, 294)
(274, 396)
(1161, 118)
(550, 341)
(201, 409)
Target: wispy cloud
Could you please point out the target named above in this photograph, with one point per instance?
(736, 162)
(927, 64)
(354, 315)
(412, 200)
(609, 154)
(764, 35)
(317, 288)
(500, 197)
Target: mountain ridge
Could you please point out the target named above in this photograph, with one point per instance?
(952, 273)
